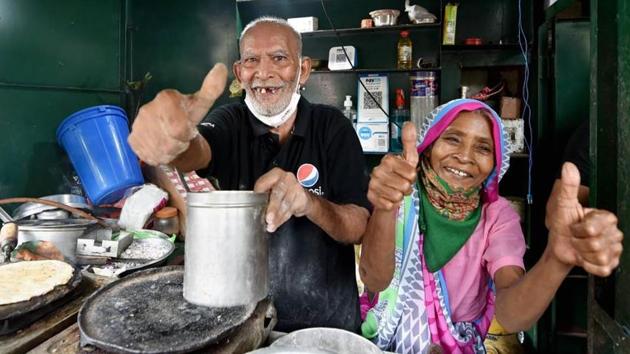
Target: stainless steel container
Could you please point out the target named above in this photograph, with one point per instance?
(226, 248)
(62, 233)
(385, 17)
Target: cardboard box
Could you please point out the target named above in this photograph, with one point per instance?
(374, 137)
(510, 107)
(160, 177)
(304, 24)
(515, 129)
(167, 178)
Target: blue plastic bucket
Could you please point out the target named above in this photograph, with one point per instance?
(95, 139)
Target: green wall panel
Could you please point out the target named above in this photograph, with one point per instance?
(179, 43)
(56, 57)
(622, 308)
(572, 78)
(31, 163)
(609, 326)
(60, 43)
(473, 17)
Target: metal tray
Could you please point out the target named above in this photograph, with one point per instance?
(146, 264)
(146, 313)
(20, 308)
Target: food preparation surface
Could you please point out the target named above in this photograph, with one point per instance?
(50, 325)
(146, 312)
(246, 337)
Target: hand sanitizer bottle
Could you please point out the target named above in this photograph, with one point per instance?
(349, 112)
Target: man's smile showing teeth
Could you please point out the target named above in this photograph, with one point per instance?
(457, 172)
(266, 90)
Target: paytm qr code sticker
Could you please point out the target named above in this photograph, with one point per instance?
(373, 107)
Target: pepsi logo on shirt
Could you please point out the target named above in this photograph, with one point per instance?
(308, 176)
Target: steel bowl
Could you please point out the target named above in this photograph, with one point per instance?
(319, 340)
(385, 17)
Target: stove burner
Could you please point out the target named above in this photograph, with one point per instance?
(147, 313)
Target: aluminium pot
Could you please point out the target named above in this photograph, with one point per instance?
(63, 233)
(226, 249)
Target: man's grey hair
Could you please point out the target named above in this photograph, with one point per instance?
(277, 21)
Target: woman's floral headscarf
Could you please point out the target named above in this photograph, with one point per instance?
(437, 121)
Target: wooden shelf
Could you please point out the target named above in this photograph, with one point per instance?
(577, 276)
(383, 29)
(481, 47)
(519, 155)
(571, 331)
(382, 70)
(557, 7)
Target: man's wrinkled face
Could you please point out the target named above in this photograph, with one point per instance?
(268, 68)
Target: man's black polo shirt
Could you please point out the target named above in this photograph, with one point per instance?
(312, 275)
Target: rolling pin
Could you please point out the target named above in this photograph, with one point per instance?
(8, 240)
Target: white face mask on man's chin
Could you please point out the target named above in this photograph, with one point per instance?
(283, 113)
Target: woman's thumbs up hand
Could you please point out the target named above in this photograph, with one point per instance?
(589, 238)
(394, 177)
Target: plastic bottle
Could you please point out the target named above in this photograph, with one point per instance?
(450, 22)
(349, 112)
(422, 98)
(167, 221)
(396, 121)
(405, 57)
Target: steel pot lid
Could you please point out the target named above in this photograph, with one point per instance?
(54, 224)
(72, 200)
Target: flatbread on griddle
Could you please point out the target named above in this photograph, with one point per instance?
(23, 281)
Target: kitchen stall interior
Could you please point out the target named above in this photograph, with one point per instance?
(314, 176)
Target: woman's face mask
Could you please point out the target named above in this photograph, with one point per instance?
(463, 155)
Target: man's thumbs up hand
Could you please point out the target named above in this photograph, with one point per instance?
(394, 177)
(211, 88)
(165, 126)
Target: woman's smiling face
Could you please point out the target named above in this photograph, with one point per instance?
(463, 155)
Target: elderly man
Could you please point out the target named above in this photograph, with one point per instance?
(306, 155)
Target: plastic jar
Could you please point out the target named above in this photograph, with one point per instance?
(423, 95)
(167, 221)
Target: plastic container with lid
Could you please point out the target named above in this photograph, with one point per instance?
(422, 95)
(167, 221)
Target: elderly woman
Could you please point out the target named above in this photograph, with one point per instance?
(446, 251)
